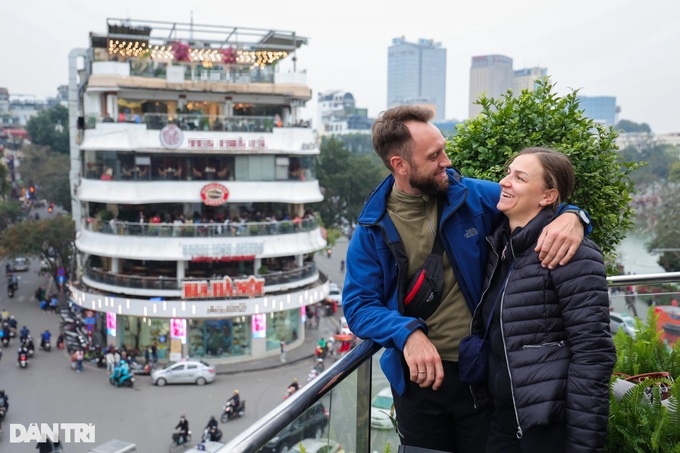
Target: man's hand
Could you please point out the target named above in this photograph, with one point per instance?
(424, 363)
(559, 240)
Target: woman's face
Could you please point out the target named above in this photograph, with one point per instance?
(523, 190)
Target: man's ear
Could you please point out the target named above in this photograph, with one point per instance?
(399, 165)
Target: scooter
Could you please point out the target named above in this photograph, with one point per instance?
(23, 360)
(124, 381)
(213, 434)
(5, 341)
(10, 291)
(46, 346)
(230, 413)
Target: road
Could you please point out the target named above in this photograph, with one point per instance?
(48, 391)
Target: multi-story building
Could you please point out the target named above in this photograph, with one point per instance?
(339, 115)
(416, 75)
(491, 75)
(192, 178)
(601, 109)
(526, 79)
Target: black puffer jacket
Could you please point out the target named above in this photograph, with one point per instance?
(554, 334)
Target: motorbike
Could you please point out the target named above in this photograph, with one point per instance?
(230, 412)
(23, 360)
(319, 366)
(10, 291)
(177, 442)
(141, 369)
(213, 434)
(46, 346)
(124, 381)
(5, 341)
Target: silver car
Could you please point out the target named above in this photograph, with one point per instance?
(20, 264)
(184, 372)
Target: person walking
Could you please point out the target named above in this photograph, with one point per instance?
(282, 345)
(551, 353)
(399, 225)
(79, 355)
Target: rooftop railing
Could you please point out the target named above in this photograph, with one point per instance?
(347, 388)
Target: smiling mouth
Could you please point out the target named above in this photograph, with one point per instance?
(506, 195)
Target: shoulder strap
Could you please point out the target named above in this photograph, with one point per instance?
(437, 246)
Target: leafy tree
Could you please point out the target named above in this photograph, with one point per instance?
(38, 237)
(541, 118)
(49, 172)
(674, 172)
(667, 229)
(629, 126)
(10, 212)
(658, 159)
(5, 185)
(346, 181)
(50, 128)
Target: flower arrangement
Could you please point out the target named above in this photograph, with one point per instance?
(181, 51)
(228, 55)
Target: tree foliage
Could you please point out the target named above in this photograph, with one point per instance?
(657, 157)
(50, 128)
(38, 237)
(10, 212)
(630, 126)
(346, 180)
(666, 229)
(541, 118)
(5, 184)
(49, 173)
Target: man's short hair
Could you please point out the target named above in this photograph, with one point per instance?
(390, 134)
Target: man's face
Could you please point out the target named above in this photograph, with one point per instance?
(427, 169)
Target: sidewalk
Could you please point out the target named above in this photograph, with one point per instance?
(304, 351)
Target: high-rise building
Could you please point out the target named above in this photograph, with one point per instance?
(601, 109)
(416, 75)
(526, 79)
(339, 115)
(491, 75)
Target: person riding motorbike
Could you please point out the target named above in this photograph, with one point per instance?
(212, 432)
(121, 372)
(46, 336)
(30, 346)
(182, 429)
(23, 334)
(234, 400)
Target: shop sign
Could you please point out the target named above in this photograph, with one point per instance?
(214, 194)
(171, 136)
(227, 144)
(221, 250)
(226, 287)
(178, 329)
(111, 328)
(259, 325)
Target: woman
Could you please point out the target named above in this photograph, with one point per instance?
(551, 353)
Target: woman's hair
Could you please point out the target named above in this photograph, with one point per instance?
(392, 137)
(558, 173)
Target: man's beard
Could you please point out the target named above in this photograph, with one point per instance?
(429, 186)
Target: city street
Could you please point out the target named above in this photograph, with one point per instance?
(48, 391)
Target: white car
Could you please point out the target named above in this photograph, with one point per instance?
(382, 408)
(184, 372)
(20, 264)
(622, 321)
(334, 294)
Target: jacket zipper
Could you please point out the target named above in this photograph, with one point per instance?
(507, 361)
(551, 343)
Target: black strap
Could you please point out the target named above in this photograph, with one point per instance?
(437, 246)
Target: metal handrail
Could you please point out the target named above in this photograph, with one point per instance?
(258, 434)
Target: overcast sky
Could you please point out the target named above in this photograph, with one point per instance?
(622, 48)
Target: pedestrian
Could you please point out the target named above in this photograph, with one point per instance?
(551, 355)
(282, 345)
(154, 353)
(398, 229)
(110, 360)
(116, 357)
(342, 265)
(79, 355)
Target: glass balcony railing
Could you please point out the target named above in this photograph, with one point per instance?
(162, 282)
(346, 390)
(202, 230)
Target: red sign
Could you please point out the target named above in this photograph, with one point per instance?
(214, 194)
(247, 287)
(171, 136)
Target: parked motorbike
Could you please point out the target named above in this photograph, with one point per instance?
(230, 412)
(141, 369)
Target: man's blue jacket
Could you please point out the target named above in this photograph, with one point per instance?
(376, 266)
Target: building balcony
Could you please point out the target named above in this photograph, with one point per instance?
(169, 286)
(202, 230)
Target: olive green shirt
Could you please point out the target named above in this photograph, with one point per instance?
(415, 217)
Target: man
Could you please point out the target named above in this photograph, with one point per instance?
(182, 430)
(396, 232)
